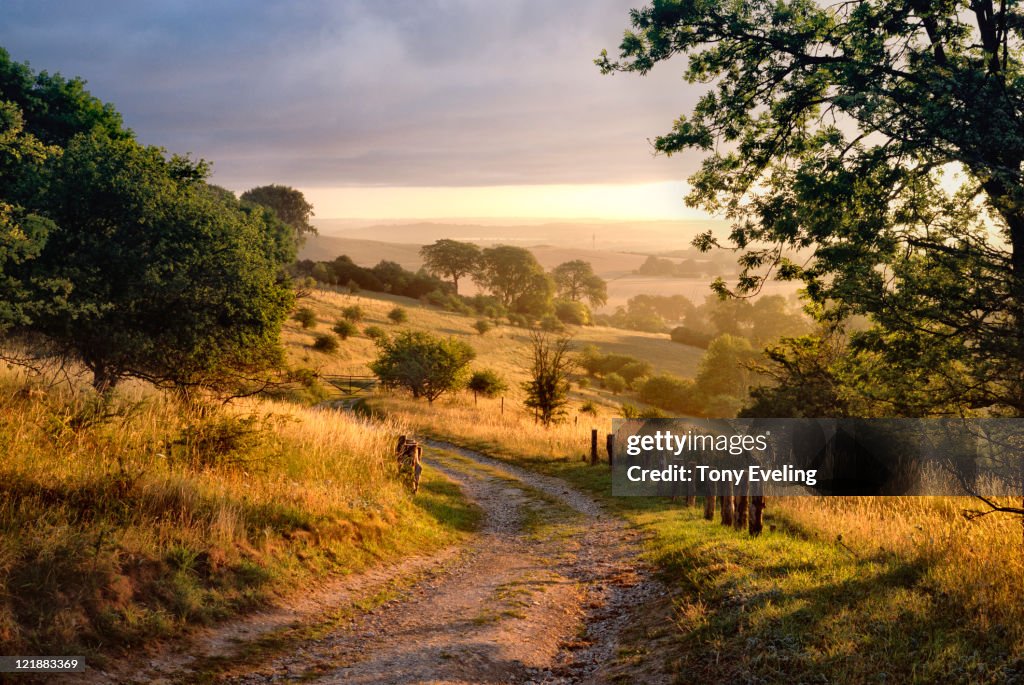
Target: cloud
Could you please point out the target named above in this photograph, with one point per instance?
(399, 93)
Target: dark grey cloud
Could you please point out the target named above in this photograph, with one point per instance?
(367, 92)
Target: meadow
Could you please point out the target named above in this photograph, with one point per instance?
(839, 588)
(133, 518)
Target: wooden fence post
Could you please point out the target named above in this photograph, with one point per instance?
(691, 487)
(739, 520)
(593, 446)
(709, 507)
(609, 445)
(727, 504)
(757, 505)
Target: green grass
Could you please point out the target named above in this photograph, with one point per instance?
(911, 593)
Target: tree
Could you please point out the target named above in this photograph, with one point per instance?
(837, 129)
(421, 363)
(55, 109)
(513, 275)
(288, 204)
(547, 391)
(167, 281)
(345, 329)
(398, 315)
(22, 233)
(487, 383)
(451, 258)
(725, 367)
(576, 281)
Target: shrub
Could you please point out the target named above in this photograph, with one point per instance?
(345, 329)
(689, 336)
(305, 316)
(325, 342)
(375, 333)
(487, 383)
(353, 313)
(588, 408)
(352, 286)
(423, 364)
(671, 393)
(568, 311)
(551, 324)
(518, 320)
(482, 326)
(634, 370)
(629, 411)
(398, 315)
(583, 383)
(614, 382)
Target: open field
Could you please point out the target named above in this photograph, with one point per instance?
(503, 349)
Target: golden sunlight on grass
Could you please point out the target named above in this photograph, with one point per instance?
(128, 519)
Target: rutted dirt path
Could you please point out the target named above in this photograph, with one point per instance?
(540, 595)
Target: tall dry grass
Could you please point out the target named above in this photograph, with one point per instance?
(130, 518)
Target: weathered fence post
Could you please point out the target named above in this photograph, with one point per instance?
(739, 520)
(593, 446)
(609, 445)
(757, 505)
(709, 507)
(727, 504)
(691, 487)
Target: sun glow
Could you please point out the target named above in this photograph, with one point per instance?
(639, 201)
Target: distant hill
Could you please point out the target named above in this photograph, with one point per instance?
(626, 236)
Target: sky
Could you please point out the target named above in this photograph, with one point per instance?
(383, 108)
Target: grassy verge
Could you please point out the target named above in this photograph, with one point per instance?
(842, 590)
(126, 520)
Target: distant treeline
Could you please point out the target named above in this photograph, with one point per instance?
(716, 265)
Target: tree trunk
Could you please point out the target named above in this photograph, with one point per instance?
(709, 507)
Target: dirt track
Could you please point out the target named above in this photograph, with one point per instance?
(540, 595)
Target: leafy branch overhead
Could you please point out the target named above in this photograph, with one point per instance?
(872, 150)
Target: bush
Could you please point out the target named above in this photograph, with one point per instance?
(629, 411)
(398, 315)
(518, 320)
(482, 326)
(583, 383)
(423, 364)
(352, 286)
(568, 311)
(345, 329)
(671, 393)
(375, 333)
(353, 313)
(325, 342)
(487, 383)
(689, 336)
(614, 382)
(635, 370)
(588, 408)
(305, 316)
(551, 324)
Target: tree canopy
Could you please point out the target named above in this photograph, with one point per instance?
(451, 258)
(884, 137)
(516, 278)
(425, 365)
(576, 280)
(287, 203)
